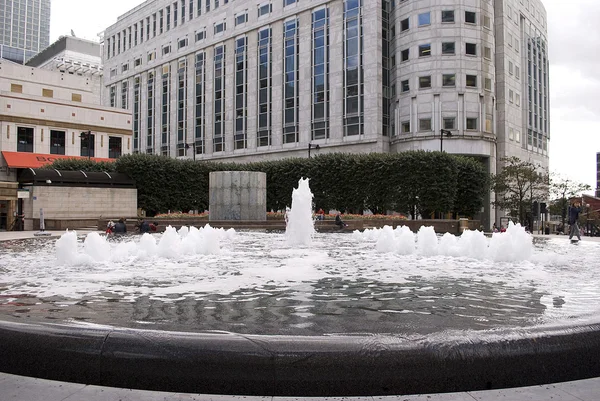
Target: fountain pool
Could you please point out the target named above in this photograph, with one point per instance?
(382, 312)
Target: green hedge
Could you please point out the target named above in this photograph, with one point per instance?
(427, 181)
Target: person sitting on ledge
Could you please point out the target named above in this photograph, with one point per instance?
(120, 227)
(144, 227)
(339, 222)
(154, 227)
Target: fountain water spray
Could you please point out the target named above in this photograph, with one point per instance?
(300, 225)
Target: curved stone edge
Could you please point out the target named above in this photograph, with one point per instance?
(262, 365)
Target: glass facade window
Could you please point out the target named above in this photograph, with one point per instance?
(241, 93)
(448, 48)
(115, 145)
(425, 82)
(165, 120)
(264, 88)
(113, 96)
(353, 68)
(320, 66)
(24, 139)
(200, 99)
(449, 80)
(219, 99)
(425, 50)
(88, 145)
(24, 28)
(150, 114)
(125, 95)
(385, 68)
(181, 107)
(291, 81)
(136, 115)
(57, 142)
(448, 16)
(425, 19)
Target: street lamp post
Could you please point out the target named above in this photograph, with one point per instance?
(310, 145)
(86, 135)
(187, 146)
(442, 133)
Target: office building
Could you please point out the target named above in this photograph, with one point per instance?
(242, 81)
(24, 28)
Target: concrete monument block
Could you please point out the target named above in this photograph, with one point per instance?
(237, 195)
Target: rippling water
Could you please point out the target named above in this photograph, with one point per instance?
(259, 284)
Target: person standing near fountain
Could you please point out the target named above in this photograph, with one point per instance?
(574, 211)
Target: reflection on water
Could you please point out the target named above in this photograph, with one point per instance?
(260, 285)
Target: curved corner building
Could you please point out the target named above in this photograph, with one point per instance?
(241, 80)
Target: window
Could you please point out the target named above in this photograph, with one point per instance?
(241, 19)
(448, 48)
(471, 123)
(510, 67)
(472, 81)
(471, 49)
(487, 53)
(57, 142)
(449, 123)
(425, 124)
(488, 84)
(404, 25)
(425, 19)
(511, 133)
(425, 82)
(518, 99)
(201, 35)
(137, 62)
(113, 72)
(166, 50)
(16, 88)
(151, 55)
(47, 93)
(404, 86)
(511, 95)
(124, 67)
(470, 17)
(448, 16)
(182, 43)
(87, 145)
(114, 147)
(219, 27)
(405, 127)
(518, 136)
(487, 22)
(24, 139)
(425, 50)
(517, 72)
(76, 97)
(288, 2)
(265, 9)
(449, 80)
(404, 55)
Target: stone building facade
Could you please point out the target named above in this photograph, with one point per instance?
(242, 81)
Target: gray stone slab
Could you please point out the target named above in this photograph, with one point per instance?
(95, 393)
(585, 390)
(26, 388)
(535, 393)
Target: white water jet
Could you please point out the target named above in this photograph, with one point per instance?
(512, 246)
(171, 245)
(300, 226)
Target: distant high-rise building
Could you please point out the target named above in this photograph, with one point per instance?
(24, 28)
(598, 174)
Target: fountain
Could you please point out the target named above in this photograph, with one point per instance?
(379, 312)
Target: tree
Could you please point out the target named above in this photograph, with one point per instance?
(517, 186)
(562, 189)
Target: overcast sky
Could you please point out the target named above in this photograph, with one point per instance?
(574, 84)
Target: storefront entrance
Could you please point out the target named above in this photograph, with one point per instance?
(3, 215)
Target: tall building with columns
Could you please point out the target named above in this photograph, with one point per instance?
(241, 81)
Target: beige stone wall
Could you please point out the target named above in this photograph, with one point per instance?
(79, 203)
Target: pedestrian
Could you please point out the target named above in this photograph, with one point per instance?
(574, 211)
(321, 214)
(339, 222)
(120, 227)
(144, 227)
(154, 227)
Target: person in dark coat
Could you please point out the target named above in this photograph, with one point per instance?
(574, 211)
(144, 227)
(120, 227)
(339, 222)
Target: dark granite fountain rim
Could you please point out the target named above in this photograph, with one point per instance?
(262, 365)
